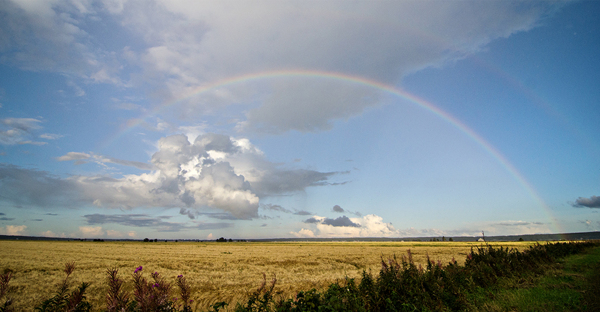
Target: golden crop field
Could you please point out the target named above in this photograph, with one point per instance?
(216, 271)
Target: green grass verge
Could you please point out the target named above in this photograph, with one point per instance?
(573, 284)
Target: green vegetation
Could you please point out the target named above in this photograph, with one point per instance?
(404, 286)
(570, 285)
(540, 278)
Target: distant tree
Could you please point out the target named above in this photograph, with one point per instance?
(521, 239)
(155, 240)
(450, 239)
(230, 240)
(146, 239)
(221, 239)
(443, 238)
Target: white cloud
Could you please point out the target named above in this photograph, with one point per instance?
(91, 231)
(73, 156)
(13, 230)
(48, 234)
(175, 47)
(303, 233)
(366, 226)
(214, 171)
(114, 234)
(193, 44)
(50, 35)
(50, 136)
(210, 236)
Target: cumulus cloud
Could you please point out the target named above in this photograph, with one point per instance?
(367, 226)
(215, 170)
(13, 230)
(303, 233)
(91, 231)
(592, 202)
(48, 234)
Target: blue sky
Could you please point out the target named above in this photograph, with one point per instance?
(266, 119)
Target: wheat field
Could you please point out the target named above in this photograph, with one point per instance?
(216, 271)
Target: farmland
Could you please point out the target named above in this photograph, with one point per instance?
(216, 271)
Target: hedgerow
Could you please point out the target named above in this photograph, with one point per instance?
(401, 285)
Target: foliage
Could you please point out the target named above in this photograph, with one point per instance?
(4, 280)
(404, 286)
(401, 285)
(64, 300)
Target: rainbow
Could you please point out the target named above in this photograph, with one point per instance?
(364, 82)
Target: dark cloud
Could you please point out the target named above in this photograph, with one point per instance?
(337, 222)
(188, 213)
(341, 221)
(289, 181)
(337, 208)
(302, 213)
(37, 220)
(2, 214)
(143, 220)
(263, 225)
(31, 187)
(339, 183)
(312, 220)
(217, 142)
(6, 219)
(52, 214)
(592, 202)
(275, 208)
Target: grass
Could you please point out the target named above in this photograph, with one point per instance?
(570, 285)
(215, 271)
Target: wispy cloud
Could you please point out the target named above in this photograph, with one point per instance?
(19, 131)
(82, 158)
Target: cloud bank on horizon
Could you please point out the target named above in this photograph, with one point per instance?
(186, 108)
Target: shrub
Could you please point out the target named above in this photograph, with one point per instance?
(401, 285)
(4, 280)
(74, 301)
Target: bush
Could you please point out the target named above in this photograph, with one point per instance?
(401, 285)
